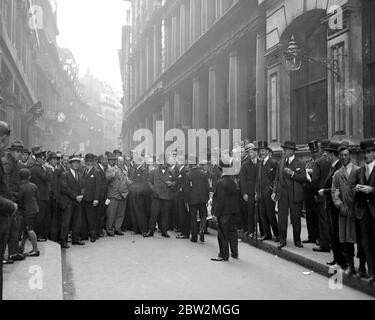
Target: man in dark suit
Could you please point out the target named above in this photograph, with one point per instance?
(288, 191)
(162, 181)
(7, 207)
(264, 186)
(101, 169)
(71, 203)
(183, 215)
(197, 194)
(91, 196)
(227, 213)
(332, 211)
(248, 177)
(364, 187)
(42, 179)
(320, 172)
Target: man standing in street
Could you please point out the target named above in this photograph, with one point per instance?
(7, 207)
(101, 170)
(248, 178)
(288, 191)
(320, 172)
(343, 197)
(91, 196)
(183, 215)
(197, 194)
(331, 210)
(265, 180)
(42, 179)
(364, 187)
(227, 213)
(71, 200)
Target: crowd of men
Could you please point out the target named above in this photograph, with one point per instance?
(75, 199)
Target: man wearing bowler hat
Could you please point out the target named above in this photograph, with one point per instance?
(265, 181)
(42, 179)
(312, 218)
(288, 191)
(364, 187)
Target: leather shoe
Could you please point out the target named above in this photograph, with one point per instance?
(110, 234)
(282, 245)
(331, 263)
(33, 254)
(42, 239)
(93, 239)
(64, 246)
(9, 261)
(119, 233)
(194, 240)
(320, 249)
(276, 239)
(148, 235)
(350, 271)
(298, 245)
(78, 243)
(201, 237)
(234, 256)
(218, 259)
(371, 280)
(165, 235)
(308, 241)
(17, 257)
(264, 238)
(181, 236)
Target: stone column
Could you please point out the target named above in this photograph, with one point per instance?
(216, 98)
(183, 39)
(193, 4)
(166, 115)
(177, 110)
(261, 88)
(200, 104)
(156, 51)
(237, 94)
(174, 40)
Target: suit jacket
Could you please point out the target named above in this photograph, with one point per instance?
(266, 176)
(141, 180)
(226, 197)
(180, 178)
(248, 177)
(12, 168)
(103, 183)
(364, 202)
(42, 178)
(28, 198)
(6, 206)
(56, 182)
(197, 190)
(70, 188)
(91, 186)
(159, 181)
(285, 183)
(321, 170)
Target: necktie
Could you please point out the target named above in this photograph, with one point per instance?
(76, 175)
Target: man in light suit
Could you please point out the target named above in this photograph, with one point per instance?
(288, 191)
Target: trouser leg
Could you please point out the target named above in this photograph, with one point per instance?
(324, 231)
(335, 238)
(295, 215)
(76, 222)
(223, 236)
(193, 223)
(91, 215)
(283, 219)
(203, 218)
(120, 215)
(155, 209)
(111, 214)
(65, 222)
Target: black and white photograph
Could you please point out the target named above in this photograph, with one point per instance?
(186, 156)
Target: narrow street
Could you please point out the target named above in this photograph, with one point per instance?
(132, 268)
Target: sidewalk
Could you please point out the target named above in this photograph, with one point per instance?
(35, 278)
(312, 261)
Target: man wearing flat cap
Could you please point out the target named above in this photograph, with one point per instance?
(42, 179)
(25, 157)
(364, 187)
(288, 191)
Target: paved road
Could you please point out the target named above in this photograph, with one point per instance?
(130, 267)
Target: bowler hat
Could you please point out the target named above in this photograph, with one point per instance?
(16, 146)
(52, 155)
(333, 147)
(117, 151)
(263, 145)
(289, 145)
(90, 157)
(314, 146)
(111, 156)
(324, 144)
(367, 145)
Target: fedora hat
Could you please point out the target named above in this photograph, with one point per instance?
(333, 147)
(26, 151)
(324, 144)
(117, 152)
(90, 157)
(263, 145)
(314, 146)
(111, 156)
(52, 155)
(289, 145)
(367, 145)
(16, 146)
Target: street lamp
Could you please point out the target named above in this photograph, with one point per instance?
(294, 57)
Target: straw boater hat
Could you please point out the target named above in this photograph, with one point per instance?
(16, 146)
(367, 145)
(74, 159)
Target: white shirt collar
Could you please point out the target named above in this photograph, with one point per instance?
(101, 167)
(291, 159)
(265, 160)
(349, 168)
(334, 164)
(371, 166)
(73, 173)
